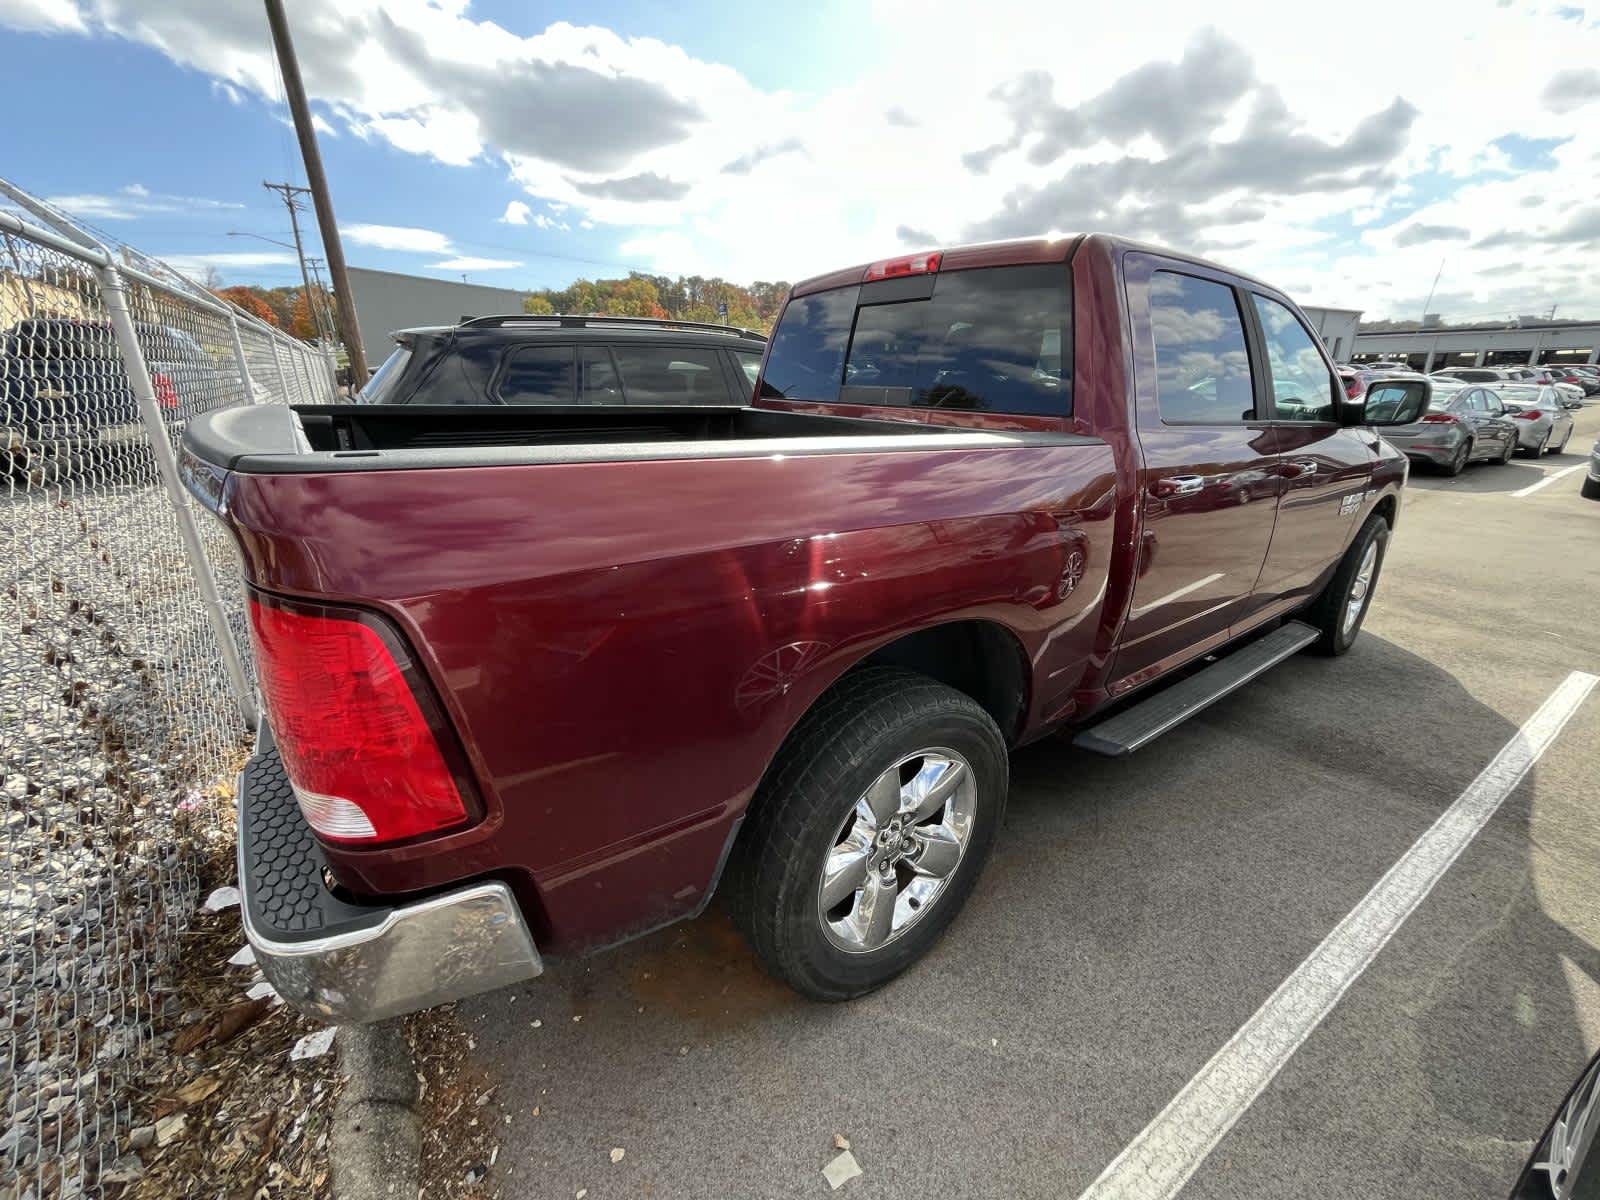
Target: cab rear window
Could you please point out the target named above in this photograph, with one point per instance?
(996, 339)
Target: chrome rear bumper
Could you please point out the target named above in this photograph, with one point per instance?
(345, 962)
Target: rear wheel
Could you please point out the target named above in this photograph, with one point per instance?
(1458, 461)
(1511, 448)
(1536, 450)
(868, 832)
(1340, 610)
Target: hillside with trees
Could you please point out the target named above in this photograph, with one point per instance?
(686, 298)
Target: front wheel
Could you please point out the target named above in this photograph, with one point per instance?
(868, 832)
(1339, 611)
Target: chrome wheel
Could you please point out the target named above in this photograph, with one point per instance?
(1360, 586)
(896, 850)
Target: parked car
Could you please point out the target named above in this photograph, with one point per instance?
(1565, 1163)
(1388, 364)
(1588, 379)
(66, 403)
(1540, 417)
(548, 673)
(1460, 425)
(1591, 479)
(523, 360)
(1573, 377)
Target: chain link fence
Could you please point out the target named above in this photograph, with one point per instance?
(120, 617)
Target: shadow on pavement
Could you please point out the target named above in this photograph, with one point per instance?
(1133, 915)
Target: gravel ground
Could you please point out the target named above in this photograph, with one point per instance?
(115, 725)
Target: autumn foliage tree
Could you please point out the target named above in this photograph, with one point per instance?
(248, 299)
(685, 298)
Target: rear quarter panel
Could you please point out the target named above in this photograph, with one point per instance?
(623, 647)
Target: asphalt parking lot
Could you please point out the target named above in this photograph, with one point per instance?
(1136, 914)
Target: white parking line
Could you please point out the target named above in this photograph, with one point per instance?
(1547, 481)
(1159, 1161)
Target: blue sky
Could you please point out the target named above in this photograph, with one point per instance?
(525, 145)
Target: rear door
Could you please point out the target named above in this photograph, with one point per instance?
(1208, 488)
(1325, 466)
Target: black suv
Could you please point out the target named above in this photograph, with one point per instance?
(569, 360)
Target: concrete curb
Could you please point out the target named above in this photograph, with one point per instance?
(376, 1152)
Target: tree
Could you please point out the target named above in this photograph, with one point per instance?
(303, 323)
(250, 300)
(539, 305)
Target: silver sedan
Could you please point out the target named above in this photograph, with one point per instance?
(1542, 420)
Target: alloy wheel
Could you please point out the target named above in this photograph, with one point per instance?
(1360, 586)
(897, 849)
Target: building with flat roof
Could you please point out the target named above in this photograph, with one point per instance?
(1337, 327)
(1484, 346)
(388, 300)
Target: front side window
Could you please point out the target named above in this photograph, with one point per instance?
(538, 375)
(671, 375)
(986, 340)
(1202, 366)
(1302, 389)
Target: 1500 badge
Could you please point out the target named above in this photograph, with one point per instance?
(1348, 504)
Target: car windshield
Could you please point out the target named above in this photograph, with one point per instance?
(1519, 395)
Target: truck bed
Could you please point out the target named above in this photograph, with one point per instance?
(350, 437)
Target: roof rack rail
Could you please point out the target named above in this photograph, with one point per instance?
(579, 322)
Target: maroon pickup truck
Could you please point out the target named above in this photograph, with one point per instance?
(537, 678)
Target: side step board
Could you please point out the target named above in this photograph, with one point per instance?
(1149, 719)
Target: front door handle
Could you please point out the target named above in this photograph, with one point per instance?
(1303, 466)
(1178, 485)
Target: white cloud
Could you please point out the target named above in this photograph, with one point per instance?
(41, 16)
(1266, 161)
(196, 265)
(397, 237)
(133, 201)
(469, 263)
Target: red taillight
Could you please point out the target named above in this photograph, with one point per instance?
(1439, 419)
(362, 755)
(166, 390)
(1353, 388)
(911, 264)
(1526, 414)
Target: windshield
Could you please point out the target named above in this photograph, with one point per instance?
(385, 377)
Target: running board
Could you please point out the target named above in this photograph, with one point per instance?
(1149, 719)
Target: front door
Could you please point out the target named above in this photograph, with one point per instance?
(1325, 466)
(1208, 491)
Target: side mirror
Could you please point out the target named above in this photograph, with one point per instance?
(1389, 402)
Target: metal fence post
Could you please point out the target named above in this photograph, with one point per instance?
(304, 370)
(238, 354)
(331, 362)
(277, 363)
(114, 295)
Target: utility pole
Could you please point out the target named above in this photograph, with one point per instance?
(291, 197)
(325, 319)
(295, 92)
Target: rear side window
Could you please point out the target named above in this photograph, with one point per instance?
(1202, 366)
(807, 357)
(750, 364)
(671, 375)
(994, 339)
(538, 375)
(383, 380)
(987, 340)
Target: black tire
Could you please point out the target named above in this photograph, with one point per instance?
(1590, 489)
(1538, 451)
(1458, 460)
(1327, 612)
(865, 724)
(1511, 448)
